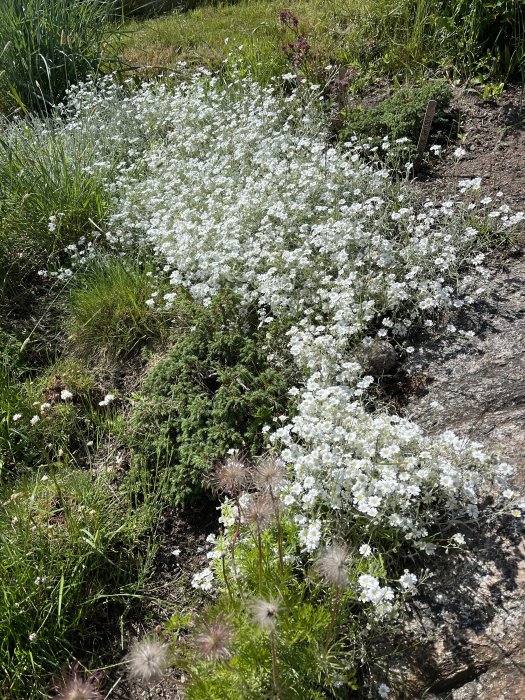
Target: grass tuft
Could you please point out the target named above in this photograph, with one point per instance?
(107, 317)
(48, 45)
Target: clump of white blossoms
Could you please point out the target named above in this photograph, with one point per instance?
(351, 466)
(244, 190)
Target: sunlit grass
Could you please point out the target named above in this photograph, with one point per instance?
(206, 35)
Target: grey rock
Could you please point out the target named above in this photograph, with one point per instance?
(468, 627)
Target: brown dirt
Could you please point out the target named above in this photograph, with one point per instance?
(493, 135)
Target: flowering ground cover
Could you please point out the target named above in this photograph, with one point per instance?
(219, 287)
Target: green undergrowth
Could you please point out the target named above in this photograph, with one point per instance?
(206, 35)
(214, 390)
(395, 37)
(308, 612)
(401, 115)
(69, 562)
(48, 200)
(49, 413)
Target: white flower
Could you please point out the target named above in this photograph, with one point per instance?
(408, 580)
(203, 580)
(108, 398)
(34, 420)
(459, 153)
(16, 417)
(66, 395)
(310, 536)
(472, 184)
(365, 550)
(384, 691)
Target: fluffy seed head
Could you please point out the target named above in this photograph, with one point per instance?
(270, 474)
(147, 661)
(213, 642)
(259, 512)
(264, 613)
(230, 477)
(73, 686)
(332, 564)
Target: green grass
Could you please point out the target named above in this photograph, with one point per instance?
(62, 427)
(208, 34)
(106, 315)
(47, 198)
(402, 37)
(47, 45)
(68, 554)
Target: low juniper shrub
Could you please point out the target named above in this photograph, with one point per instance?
(214, 390)
(401, 115)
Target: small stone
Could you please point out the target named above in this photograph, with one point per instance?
(380, 358)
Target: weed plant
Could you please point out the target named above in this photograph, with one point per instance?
(48, 45)
(457, 37)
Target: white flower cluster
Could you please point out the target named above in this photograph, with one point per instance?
(234, 185)
(203, 580)
(372, 592)
(352, 466)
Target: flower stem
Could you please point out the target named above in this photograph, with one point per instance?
(279, 531)
(226, 580)
(259, 546)
(275, 684)
(335, 610)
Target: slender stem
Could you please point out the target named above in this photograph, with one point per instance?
(335, 609)
(226, 580)
(279, 530)
(259, 545)
(236, 535)
(275, 683)
(234, 540)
